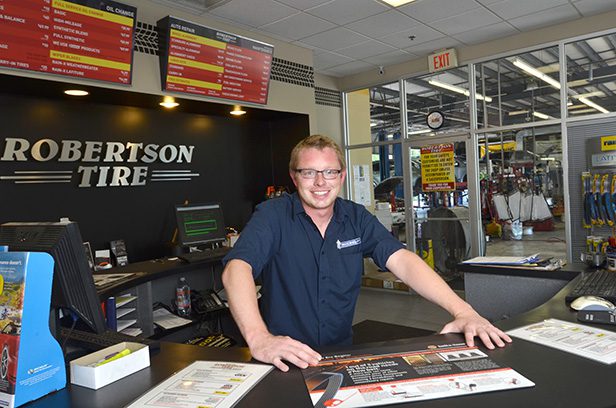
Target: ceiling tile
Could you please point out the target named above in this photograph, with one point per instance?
(545, 18)
(334, 39)
(329, 59)
(488, 2)
(254, 13)
(590, 7)
(431, 46)
(421, 33)
(467, 21)
(352, 68)
(508, 9)
(366, 49)
(390, 58)
(345, 11)
(303, 4)
(382, 24)
(298, 26)
(185, 5)
(431, 10)
(487, 33)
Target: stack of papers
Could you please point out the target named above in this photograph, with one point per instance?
(505, 260)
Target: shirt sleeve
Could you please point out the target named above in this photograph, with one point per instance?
(377, 243)
(256, 242)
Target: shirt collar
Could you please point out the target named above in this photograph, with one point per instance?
(339, 211)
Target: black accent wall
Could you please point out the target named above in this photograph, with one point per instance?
(237, 158)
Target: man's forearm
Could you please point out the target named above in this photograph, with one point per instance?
(241, 294)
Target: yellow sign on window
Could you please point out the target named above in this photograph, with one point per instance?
(437, 168)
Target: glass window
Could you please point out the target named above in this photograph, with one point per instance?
(518, 89)
(438, 103)
(591, 75)
(522, 198)
(374, 114)
(375, 175)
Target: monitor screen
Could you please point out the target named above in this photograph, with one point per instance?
(200, 224)
(73, 284)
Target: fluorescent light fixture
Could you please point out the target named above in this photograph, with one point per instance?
(419, 132)
(457, 89)
(373, 124)
(590, 103)
(169, 102)
(76, 92)
(237, 111)
(540, 115)
(589, 94)
(547, 158)
(588, 110)
(518, 112)
(535, 72)
(397, 3)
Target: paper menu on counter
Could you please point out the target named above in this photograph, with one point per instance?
(582, 340)
(219, 384)
(382, 375)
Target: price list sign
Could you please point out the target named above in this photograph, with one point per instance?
(203, 61)
(79, 38)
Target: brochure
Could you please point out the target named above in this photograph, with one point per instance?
(219, 384)
(375, 377)
(582, 340)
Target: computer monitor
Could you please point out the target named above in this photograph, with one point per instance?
(200, 224)
(73, 285)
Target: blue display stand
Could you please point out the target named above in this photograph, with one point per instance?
(31, 360)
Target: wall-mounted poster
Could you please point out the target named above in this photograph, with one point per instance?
(78, 38)
(203, 61)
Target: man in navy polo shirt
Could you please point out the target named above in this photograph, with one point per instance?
(308, 250)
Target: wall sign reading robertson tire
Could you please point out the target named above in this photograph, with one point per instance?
(30, 367)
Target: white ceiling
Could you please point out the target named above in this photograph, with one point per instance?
(351, 36)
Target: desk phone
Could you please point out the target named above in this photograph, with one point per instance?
(206, 301)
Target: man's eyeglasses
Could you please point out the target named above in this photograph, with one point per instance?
(328, 174)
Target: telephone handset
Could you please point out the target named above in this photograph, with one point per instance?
(207, 301)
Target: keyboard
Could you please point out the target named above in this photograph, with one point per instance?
(205, 255)
(599, 283)
(93, 341)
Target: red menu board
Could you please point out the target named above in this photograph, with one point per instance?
(90, 39)
(200, 60)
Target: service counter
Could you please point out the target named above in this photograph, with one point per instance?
(562, 379)
(498, 293)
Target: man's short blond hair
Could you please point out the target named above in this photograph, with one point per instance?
(319, 142)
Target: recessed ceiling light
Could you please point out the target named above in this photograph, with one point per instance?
(76, 92)
(397, 3)
(237, 111)
(169, 102)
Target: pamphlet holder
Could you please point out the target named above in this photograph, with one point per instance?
(31, 360)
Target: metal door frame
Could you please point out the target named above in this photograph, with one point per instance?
(472, 184)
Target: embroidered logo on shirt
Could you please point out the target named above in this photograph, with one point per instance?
(347, 244)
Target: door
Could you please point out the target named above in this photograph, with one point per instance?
(439, 209)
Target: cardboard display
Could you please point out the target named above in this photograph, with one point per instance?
(31, 360)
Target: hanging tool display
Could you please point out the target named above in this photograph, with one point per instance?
(606, 199)
(596, 201)
(589, 208)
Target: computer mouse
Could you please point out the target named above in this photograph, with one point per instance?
(592, 303)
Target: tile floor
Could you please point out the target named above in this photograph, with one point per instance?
(412, 310)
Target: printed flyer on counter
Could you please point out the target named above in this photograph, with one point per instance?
(585, 341)
(212, 384)
(374, 377)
